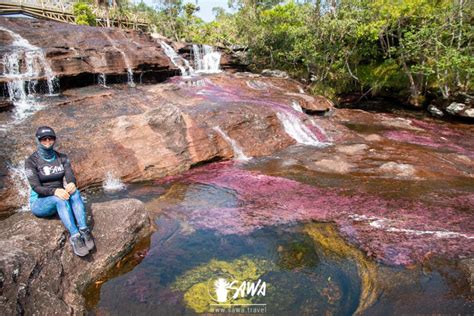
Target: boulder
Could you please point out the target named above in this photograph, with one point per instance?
(275, 73)
(39, 274)
(313, 105)
(234, 60)
(455, 108)
(435, 111)
(460, 110)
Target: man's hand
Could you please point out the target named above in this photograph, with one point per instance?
(62, 194)
(70, 188)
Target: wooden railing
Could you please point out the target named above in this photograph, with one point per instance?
(62, 11)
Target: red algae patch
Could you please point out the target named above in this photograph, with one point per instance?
(394, 231)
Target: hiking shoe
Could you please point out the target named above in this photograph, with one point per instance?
(87, 237)
(78, 245)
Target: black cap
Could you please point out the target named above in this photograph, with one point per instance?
(44, 131)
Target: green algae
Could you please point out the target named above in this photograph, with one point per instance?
(197, 283)
(297, 255)
(327, 238)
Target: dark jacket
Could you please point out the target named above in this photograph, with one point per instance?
(47, 176)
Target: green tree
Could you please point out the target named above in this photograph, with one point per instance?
(83, 14)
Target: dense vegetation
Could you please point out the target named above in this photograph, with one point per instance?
(410, 47)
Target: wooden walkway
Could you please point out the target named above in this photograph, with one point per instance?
(62, 11)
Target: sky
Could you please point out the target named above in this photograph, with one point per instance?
(206, 6)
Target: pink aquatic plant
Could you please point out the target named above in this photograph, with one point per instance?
(393, 231)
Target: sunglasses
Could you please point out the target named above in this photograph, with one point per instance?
(47, 138)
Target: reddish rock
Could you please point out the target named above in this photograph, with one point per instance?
(313, 104)
(72, 50)
(5, 105)
(157, 130)
(39, 273)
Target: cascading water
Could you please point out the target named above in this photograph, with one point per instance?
(102, 80)
(206, 59)
(295, 105)
(177, 60)
(297, 130)
(23, 69)
(20, 182)
(112, 183)
(239, 153)
(127, 62)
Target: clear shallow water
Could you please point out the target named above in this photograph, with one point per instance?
(307, 266)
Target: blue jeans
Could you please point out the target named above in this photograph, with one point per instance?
(48, 206)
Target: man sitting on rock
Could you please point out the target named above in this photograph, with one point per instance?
(46, 170)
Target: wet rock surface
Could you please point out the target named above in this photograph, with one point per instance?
(76, 53)
(40, 274)
(157, 130)
(398, 187)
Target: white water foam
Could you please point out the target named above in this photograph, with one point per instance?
(23, 68)
(295, 105)
(102, 80)
(206, 59)
(388, 225)
(238, 152)
(20, 181)
(177, 60)
(297, 130)
(112, 183)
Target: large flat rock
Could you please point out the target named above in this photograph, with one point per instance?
(39, 274)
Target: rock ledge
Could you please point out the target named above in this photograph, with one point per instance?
(39, 274)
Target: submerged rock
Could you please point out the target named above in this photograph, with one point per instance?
(397, 231)
(200, 282)
(38, 270)
(326, 237)
(398, 169)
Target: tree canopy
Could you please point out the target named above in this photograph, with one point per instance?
(405, 46)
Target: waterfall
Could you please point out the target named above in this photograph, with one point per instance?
(20, 181)
(297, 130)
(23, 69)
(127, 62)
(112, 183)
(238, 152)
(177, 60)
(102, 80)
(297, 106)
(206, 59)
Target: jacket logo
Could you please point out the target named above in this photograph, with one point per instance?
(47, 170)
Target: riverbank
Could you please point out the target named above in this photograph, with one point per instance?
(220, 161)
